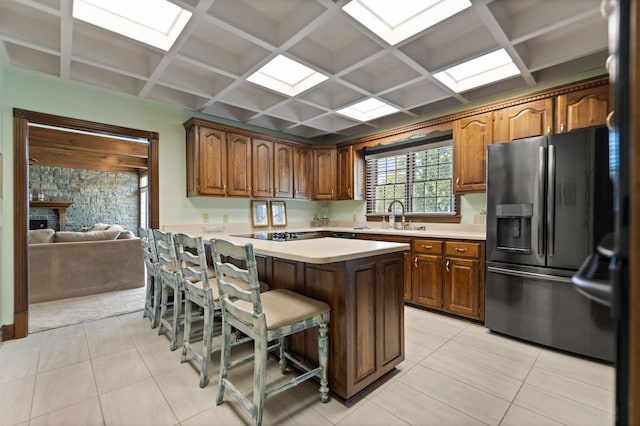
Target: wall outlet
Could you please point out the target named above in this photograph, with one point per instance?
(205, 217)
(225, 218)
(354, 217)
(478, 219)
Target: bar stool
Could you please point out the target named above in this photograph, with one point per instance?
(152, 297)
(200, 288)
(267, 317)
(171, 285)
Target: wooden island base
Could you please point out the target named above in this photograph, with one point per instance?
(366, 333)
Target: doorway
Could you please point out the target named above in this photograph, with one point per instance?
(22, 119)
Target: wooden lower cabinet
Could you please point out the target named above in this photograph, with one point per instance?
(446, 275)
(366, 333)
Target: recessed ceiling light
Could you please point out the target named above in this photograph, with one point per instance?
(394, 22)
(368, 110)
(154, 22)
(286, 76)
(480, 71)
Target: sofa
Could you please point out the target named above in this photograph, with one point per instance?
(71, 264)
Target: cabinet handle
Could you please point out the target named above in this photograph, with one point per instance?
(427, 247)
(548, 130)
(447, 265)
(250, 193)
(562, 127)
(349, 192)
(415, 261)
(457, 182)
(224, 188)
(461, 250)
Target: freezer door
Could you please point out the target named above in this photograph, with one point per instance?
(580, 196)
(516, 180)
(538, 305)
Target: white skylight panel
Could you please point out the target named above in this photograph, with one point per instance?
(368, 110)
(154, 22)
(395, 21)
(479, 71)
(286, 76)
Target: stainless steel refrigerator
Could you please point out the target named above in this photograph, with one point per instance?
(549, 205)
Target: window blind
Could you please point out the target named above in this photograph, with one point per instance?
(419, 176)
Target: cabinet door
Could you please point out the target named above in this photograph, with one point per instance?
(239, 163)
(262, 176)
(283, 170)
(302, 172)
(583, 108)
(462, 287)
(324, 174)
(345, 173)
(427, 280)
(524, 121)
(470, 139)
(211, 162)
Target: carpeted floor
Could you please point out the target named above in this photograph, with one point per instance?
(59, 313)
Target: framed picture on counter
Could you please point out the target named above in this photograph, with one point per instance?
(259, 215)
(278, 213)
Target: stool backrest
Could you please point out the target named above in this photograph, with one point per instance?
(166, 249)
(148, 246)
(192, 259)
(230, 291)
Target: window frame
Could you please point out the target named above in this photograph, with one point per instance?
(407, 149)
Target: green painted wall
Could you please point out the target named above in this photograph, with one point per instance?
(35, 92)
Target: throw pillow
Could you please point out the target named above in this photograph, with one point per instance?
(41, 236)
(99, 227)
(126, 235)
(68, 236)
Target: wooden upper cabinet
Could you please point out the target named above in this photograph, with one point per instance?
(283, 170)
(239, 163)
(302, 172)
(206, 161)
(471, 135)
(345, 173)
(583, 108)
(524, 121)
(262, 177)
(324, 174)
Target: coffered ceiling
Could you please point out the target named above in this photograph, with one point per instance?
(225, 41)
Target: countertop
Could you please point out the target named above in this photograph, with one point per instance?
(318, 250)
(328, 250)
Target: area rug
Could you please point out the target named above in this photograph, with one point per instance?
(59, 313)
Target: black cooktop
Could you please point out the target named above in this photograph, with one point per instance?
(284, 235)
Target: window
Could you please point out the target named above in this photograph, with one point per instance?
(419, 176)
(144, 200)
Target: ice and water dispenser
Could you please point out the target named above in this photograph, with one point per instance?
(514, 227)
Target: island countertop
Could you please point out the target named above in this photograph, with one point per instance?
(318, 250)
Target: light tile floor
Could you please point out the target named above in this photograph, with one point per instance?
(117, 371)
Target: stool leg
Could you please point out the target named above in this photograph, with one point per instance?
(323, 358)
(283, 358)
(259, 377)
(163, 306)
(187, 326)
(225, 354)
(207, 329)
(177, 302)
(157, 297)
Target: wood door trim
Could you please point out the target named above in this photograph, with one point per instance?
(21, 121)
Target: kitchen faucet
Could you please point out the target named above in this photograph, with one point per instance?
(389, 210)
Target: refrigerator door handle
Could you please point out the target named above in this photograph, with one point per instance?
(551, 200)
(541, 163)
(599, 290)
(526, 274)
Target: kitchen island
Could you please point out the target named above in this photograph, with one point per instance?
(363, 282)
